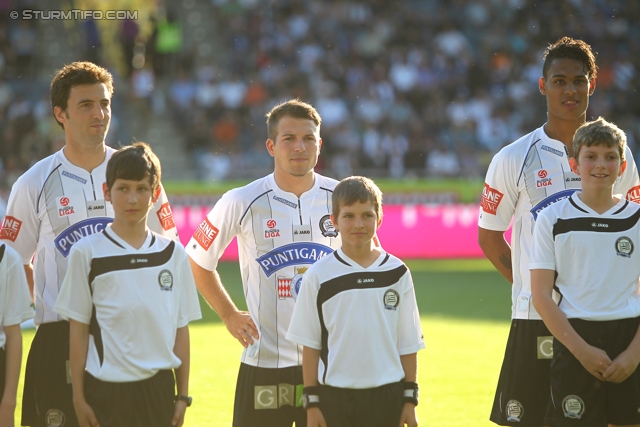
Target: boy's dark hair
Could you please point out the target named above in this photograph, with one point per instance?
(76, 74)
(568, 48)
(356, 189)
(134, 162)
(292, 108)
(600, 132)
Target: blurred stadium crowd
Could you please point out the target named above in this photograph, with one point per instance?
(425, 88)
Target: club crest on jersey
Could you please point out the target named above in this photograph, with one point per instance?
(70, 236)
(633, 195)
(391, 300)
(55, 418)
(290, 288)
(10, 228)
(491, 199)
(514, 411)
(165, 279)
(624, 247)
(547, 201)
(292, 254)
(573, 407)
(64, 207)
(270, 230)
(166, 217)
(206, 234)
(327, 228)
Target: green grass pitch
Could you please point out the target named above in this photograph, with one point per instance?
(465, 309)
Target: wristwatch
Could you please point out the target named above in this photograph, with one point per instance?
(411, 392)
(187, 399)
(310, 397)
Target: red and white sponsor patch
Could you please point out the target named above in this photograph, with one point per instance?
(206, 234)
(634, 194)
(10, 228)
(542, 173)
(166, 217)
(490, 199)
(64, 201)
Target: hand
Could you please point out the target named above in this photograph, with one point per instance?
(315, 418)
(85, 414)
(408, 416)
(180, 408)
(621, 368)
(7, 411)
(594, 360)
(241, 326)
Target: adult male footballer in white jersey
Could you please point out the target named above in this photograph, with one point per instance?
(283, 225)
(53, 205)
(524, 178)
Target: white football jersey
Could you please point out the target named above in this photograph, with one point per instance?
(15, 301)
(361, 319)
(279, 237)
(594, 255)
(133, 300)
(524, 178)
(51, 207)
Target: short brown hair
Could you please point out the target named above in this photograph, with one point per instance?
(600, 132)
(356, 189)
(292, 108)
(76, 74)
(134, 162)
(568, 48)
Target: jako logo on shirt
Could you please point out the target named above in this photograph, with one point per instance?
(634, 194)
(10, 228)
(166, 217)
(490, 199)
(292, 254)
(69, 237)
(206, 234)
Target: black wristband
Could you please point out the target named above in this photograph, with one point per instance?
(187, 399)
(310, 397)
(410, 392)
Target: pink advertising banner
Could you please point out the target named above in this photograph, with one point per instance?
(407, 231)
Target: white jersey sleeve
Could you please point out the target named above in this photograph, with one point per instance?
(629, 183)
(543, 250)
(189, 309)
(216, 231)
(160, 219)
(500, 193)
(74, 300)
(305, 323)
(21, 225)
(410, 338)
(17, 301)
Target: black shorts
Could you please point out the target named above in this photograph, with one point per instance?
(132, 404)
(47, 396)
(269, 397)
(371, 407)
(522, 396)
(580, 399)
